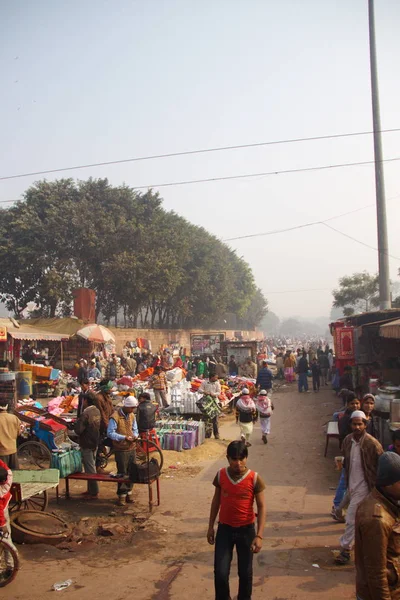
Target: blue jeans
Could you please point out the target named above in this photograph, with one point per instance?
(340, 490)
(303, 382)
(227, 537)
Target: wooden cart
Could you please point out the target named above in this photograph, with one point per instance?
(45, 433)
(29, 489)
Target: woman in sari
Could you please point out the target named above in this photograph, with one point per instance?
(289, 364)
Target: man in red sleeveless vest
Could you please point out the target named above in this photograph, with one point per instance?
(236, 488)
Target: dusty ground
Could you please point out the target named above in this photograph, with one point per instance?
(165, 556)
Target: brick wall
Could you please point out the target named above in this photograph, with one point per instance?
(159, 337)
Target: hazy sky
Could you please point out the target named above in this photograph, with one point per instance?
(90, 81)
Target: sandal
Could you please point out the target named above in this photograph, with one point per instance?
(343, 558)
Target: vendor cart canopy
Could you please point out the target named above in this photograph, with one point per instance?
(25, 331)
(390, 330)
(96, 333)
(31, 333)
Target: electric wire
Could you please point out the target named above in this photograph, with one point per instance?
(197, 151)
(267, 173)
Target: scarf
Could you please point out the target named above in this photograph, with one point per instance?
(245, 403)
(263, 403)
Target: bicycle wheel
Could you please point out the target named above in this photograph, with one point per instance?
(33, 456)
(154, 452)
(37, 502)
(9, 563)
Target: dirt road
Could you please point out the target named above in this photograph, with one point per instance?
(167, 556)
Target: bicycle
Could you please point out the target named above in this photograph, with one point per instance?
(9, 561)
(144, 447)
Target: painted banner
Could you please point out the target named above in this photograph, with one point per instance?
(344, 343)
(208, 343)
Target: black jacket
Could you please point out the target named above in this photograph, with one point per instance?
(146, 416)
(87, 427)
(303, 365)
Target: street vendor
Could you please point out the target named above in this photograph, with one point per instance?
(212, 388)
(114, 369)
(123, 430)
(248, 369)
(5, 497)
(10, 427)
(93, 371)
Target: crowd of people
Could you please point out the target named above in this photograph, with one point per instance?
(367, 499)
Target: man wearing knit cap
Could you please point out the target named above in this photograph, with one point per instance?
(361, 452)
(122, 430)
(377, 547)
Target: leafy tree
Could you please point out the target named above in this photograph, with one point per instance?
(357, 292)
(291, 327)
(256, 311)
(270, 323)
(151, 265)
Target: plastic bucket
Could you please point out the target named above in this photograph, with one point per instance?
(24, 383)
(10, 376)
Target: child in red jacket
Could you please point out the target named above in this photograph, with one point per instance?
(5, 497)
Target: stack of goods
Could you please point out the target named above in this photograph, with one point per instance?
(62, 405)
(236, 384)
(180, 434)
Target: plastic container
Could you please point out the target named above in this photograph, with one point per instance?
(395, 410)
(7, 376)
(24, 383)
(373, 386)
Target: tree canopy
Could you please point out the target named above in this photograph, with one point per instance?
(151, 265)
(357, 293)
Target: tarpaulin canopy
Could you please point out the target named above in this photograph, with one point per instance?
(390, 330)
(68, 326)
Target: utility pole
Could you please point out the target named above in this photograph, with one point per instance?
(383, 246)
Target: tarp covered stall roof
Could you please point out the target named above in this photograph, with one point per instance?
(390, 330)
(36, 334)
(67, 325)
(28, 332)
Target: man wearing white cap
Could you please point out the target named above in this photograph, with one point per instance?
(246, 414)
(122, 430)
(361, 452)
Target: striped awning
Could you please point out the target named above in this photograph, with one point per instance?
(32, 334)
(390, 330)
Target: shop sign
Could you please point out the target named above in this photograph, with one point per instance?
(3, 334)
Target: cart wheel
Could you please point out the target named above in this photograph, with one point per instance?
(33, 456)
(9, 563)
(154, 452)
(37, 502)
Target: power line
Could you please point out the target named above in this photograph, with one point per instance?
(358, 241)
(198, 151)
(249, 175)
(321, 222)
